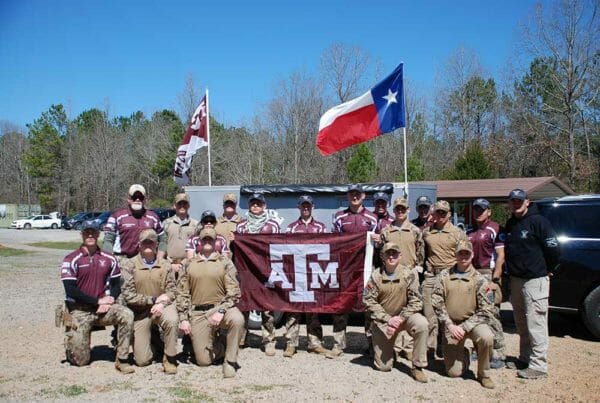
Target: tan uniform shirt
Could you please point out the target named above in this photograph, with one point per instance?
(461, 299)
(207, 281)
(143, 283)
(410, 239)
(226, 226)
(178, 232)
(440, 247)
(394, 294)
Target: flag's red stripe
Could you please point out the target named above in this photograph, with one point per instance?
(349, 129)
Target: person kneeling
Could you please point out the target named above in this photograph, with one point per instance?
(208, 292)
(149, 291)
(394, 304)
(461, 303)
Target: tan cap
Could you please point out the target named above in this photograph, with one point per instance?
(390, 246)
(441, 205)
(230, 197)
(148, 235)
(464, 245)
(208, 233)
(137, 188)
(179, 197)
(400, 201)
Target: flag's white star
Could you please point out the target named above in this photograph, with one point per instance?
(391, 97)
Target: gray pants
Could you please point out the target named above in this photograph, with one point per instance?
(529, 298)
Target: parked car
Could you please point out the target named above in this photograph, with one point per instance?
(575, 288)
(102, 219)
(37, 221)
(75, 221)
(164, 213)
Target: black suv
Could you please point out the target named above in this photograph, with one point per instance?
(576, 286)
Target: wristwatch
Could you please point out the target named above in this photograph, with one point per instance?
(496, 280)
(222, 310)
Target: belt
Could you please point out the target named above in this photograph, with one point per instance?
(436, 270)
(81, 306)
(176, 260)
(205, 307)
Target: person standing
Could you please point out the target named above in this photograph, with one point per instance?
(381, 201)
(179, 229)
(306, 224)
(149, 291)
(356, 218)
(92, 282)
(460, 300)
(258, 222)
(208, 219)
(532, 254)
(394, 302)
(227, 222)
(423, 205)
(488, 259)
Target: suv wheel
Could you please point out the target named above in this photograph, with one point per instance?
(591, 312)
(27, 226)
(54, 226)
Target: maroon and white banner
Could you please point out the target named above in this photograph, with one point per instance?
(195, 138)
(301, 272)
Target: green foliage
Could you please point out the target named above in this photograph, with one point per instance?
(361, 166)
(6, 252)
(415, 168)
(57, 245)
(473, 164)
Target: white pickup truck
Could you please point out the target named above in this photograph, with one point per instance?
(37, 221)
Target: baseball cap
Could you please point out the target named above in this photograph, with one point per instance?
(207, 214)
(208, 233)
(381, 196)
(356, 187)
(90, 224)
(483, 203)
(517, 194)
(148, 235)
(400, 201)
(230, 197)
(423, 201)
(257, 196)
(464, 245)
(390, 246)
(179, 197)
(305, 199)
(442, 205)
(137, 188)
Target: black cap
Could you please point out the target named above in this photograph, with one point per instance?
(305, 199)
(257, 196)
(517, 194)
(90, 224)
(423, 201)
(483, 203)
(356, 187)
(207, 214)
(381, 196)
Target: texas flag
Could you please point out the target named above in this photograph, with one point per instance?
(380, 110)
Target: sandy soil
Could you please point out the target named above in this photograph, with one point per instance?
(33, 366)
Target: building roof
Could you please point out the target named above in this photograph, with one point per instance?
(498, 189)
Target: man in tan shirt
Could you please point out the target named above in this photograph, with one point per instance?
(227, 223)
(461, 302)
(206, 302)
(440, 239)
(179, 229)
(394, 304)
(149, 291)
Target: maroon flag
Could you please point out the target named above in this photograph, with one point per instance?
(195, 138)
(301, 272)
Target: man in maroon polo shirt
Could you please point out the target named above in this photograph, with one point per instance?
(306, 224)
(356, 218)
(384, 219)
(123, 228)
(91, 279)
(488, 259)
(208, 219)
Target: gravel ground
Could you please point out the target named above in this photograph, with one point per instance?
(33, 366)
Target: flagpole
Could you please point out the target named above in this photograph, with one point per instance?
(405, 165)
(208, 137)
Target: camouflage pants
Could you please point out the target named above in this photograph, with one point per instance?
(313, 329)
(77, 336)
(499, 350)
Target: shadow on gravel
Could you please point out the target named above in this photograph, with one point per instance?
(103, 353)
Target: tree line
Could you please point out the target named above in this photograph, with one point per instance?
(542, 119)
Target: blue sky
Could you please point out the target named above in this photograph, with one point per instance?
(135, 55)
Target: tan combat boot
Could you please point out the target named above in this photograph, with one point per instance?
(228, 370)
(487, 383)
(124, 367)
(169, 365)
(335, 352)
(320, 350)
(269, 350)
(289, 351)
(419, 375)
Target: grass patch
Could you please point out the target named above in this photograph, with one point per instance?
(6, 252)
(56, 245)
(186, 394)
(64, 390)
(261, 388)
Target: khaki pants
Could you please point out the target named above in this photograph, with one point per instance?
(457, 361)
(529, 298)
(313, 328)
(77, 336)
(427, 291)
(499, 351)
(168, 321)
(340, 322)
(417, 326)
(203, 336)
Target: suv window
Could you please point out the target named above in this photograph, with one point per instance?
(573, 220)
